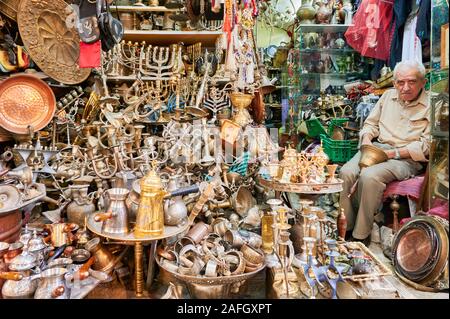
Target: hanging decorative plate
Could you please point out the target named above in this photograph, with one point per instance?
(9, 8)
(48, 30)
(25, 101)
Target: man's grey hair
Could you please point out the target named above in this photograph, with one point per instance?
(410, 64)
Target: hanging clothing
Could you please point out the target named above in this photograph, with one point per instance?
(90, 55)
(424, 20)
(371, 24)
(412, 46)
(402, 9)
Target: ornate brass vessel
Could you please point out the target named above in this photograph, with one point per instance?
(371, 155)
(241, 102)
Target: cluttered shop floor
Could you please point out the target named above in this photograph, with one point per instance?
(385, 287)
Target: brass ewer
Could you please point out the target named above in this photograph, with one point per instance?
(241, 102)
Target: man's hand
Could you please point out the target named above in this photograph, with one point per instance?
(390, 153)
(366, 140)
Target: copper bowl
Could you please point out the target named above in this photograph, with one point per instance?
(25, 101)
(371, 155)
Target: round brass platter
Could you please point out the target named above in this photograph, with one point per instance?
(49, 33)
(25, 101)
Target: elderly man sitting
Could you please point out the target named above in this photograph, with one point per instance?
(400, 125)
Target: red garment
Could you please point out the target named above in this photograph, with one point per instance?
(371, 33)
(90, 55)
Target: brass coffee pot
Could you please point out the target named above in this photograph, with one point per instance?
(150, 215)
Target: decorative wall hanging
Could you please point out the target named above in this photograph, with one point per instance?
(51, 43)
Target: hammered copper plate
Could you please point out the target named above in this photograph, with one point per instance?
(49, 33)
(25, 100)
(414, 250)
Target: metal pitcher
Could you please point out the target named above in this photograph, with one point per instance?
(104, 259)
(115, 220)
(53, 284)
(60, 233)
(19, 285)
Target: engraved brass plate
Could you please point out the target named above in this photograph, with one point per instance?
(49, 33)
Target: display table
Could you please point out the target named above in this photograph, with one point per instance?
(325, 188)
(130, 239)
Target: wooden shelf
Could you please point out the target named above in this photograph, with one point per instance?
(328, 50)
(126, 78)
(323, 27)
(273, 105)
(165, 38)
(142, 9)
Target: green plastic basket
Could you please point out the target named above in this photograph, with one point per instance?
(315, 128)
(339, 151)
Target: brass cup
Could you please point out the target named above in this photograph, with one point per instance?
(371, 155)
(234, 238)
(252, 255)
(198, 232)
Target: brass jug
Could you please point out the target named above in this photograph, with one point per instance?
(60, 233)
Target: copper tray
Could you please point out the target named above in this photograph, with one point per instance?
(25, 100)
(51, 38)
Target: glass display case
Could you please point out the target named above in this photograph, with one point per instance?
(327, 63)
(438, 166)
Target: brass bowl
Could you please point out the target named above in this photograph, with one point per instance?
(202, 287)
(241, 100)
(371, 155)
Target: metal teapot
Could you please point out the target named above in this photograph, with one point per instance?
(81, 204)
(175, 210)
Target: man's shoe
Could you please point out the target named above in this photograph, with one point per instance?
(348, 235)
